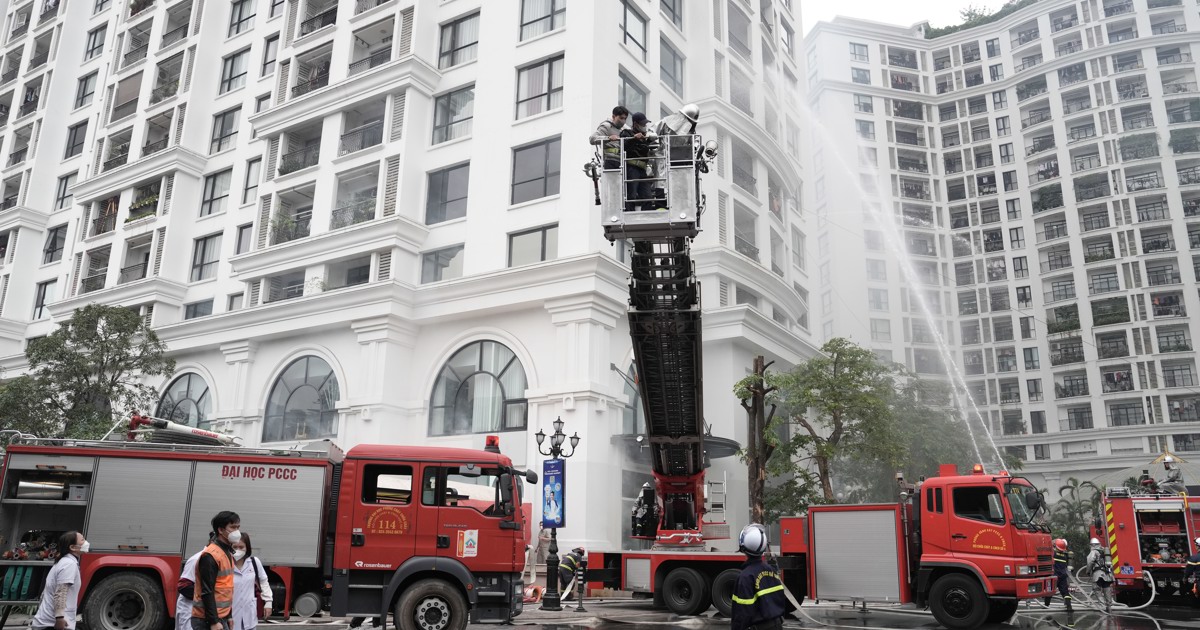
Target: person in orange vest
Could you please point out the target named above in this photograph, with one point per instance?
(214, 575)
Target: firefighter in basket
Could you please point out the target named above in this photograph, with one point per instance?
(1173, 484)
(759, 600)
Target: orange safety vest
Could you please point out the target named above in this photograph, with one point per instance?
(223, 589)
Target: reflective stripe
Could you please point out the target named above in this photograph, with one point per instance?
(612, 150)
(638, 163)
(765, 591)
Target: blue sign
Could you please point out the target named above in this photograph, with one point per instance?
(554, 493)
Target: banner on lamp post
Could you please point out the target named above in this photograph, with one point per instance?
(554, 493)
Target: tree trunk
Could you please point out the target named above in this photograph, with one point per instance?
(758, 451)
(823, 473)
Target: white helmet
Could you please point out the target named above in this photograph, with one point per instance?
(753, 540)
(1168, 462)
(1095, 542)
(1197, 541)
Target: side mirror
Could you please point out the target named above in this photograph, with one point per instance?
(1033, 501)
(506, 493)
(531, 477)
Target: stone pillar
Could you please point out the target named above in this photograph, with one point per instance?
(380, 380)
(238, 410)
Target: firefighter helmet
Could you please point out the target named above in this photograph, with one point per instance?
(1095, 542)
(1168, 462)
(1197, 541)
(1060, 544)
(579, 551)
(753, 540)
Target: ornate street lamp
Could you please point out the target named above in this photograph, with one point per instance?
(551, 598)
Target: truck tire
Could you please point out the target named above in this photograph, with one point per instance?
(958, 602)
(1002, 610)
(685, 591)
(722, 591)
(125, 601)
(431, 605)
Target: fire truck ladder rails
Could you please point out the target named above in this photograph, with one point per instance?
(170, 448)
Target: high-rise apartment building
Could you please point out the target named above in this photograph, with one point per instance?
(367, 220)
(1041, 175)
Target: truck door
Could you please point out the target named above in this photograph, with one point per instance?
(978, 525)
(385, 517)
(471, 526)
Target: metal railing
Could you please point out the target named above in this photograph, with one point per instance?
(1086, 163)
(352, 214)
(1168, 28)
(1140, 121)
(304, 87)
(1157, 278)
(1025, 37)
(18, 156)
(135, 55)
(1066, 355)
(1130, 93)
(1183, 87)
(11, 74)
(909, 164)
(903, 61)
(1104, 284)
(1029, 64)
(1122, 36)
(1062, 25)
(1132, 65)
(1077, 106)
(138, 6)
(973, 79)
(1156, 211)
(745, 247)
(48, 14)
(366, 5)
(1068, 49)
(1070, 390)
(128, 108)
(1053, 231)
(1190, 175)
(358, 139)
(1036, 118)
(151, 148)
(9, 202)
(165, 90)
(285, 228)
(377, 58)
(1095, 222)
(1180, 57)
(1030, 92)
(1098, 254)
(1139, 152)
(92, 283)
(319, 21)
(104, 224)
(1113, 349)
(19, 31)
(1054, 264)
(174, 35)
(1169, 310)
(1174, 345)
(1059, 294)
(1044, 143)
(116, 160)
(910, 139)
(297, 160)
(1146, 181)
(131, 273)
(39, 59)
(1156, 244)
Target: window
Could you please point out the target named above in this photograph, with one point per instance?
(235, 302)
(56, 241)
(85, 90)
(100, 6)
(876, 270)
(798, 249)
(881, 330)
(95, 43)
(999, 100)
(197, 309)
(47, 292)
(447, 194)
(858, 52)
(216, 191)
(1027, 329)
(276, 8)
(873, 240)
(250, 187)
(539, 17)
(186, 401)
(224, 131)
(270, 54)
(630, 94)
(866, 129)
(670, 66)
(1003, 127)
(453, 113)
(244, 233)
(75, 137)
(993, 48)
(443, 486)
(533, 246)
(63, 194)
(540, 88)
(387, 484)
(864, 104)
(302, 403)
(536, 170)
(858, 75)
(443, 264)
(233, 71)
(787, 37)
(633, 30)
(262, 103)
(481, 388)
(1016, 237)
(979, 504)
(459, 41)
(241, 15)
(1010, 181)
(1006, 153)
(1032, 361)
(996, 71)
(877, 299)
(205, 254)
(673, 9)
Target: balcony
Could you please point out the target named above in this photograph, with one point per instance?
(1146, 181)
(1070, 389)
(1113, 349)
(1068, 49)
(28, 107)
(1039, 144)
(1086, 163)
(319, 21)
(1116, 381)
(1094, 191)
(1179, 57)
(744, 179)
(1132, 92)
(374, 59)
(297, 160)
(1191, 207)
(1126, 66)
(1142, 152)
(352, 214)
(1183, 410)
(49, 12)
(912, 165)
(92, 283)
(132, 273)
(1035, 61)
(18, 155)
(1026, 37)
(1066, 355)
(1027, 92)
(135, 55)
(117, 158)
(1168, 28)
(39, 59)
(290, 227)
(1166, 276)
(1098, 254)
(1158, 243)
(1044, 172)
(909, 138)
(1174, 343)
(1122, 36)
(1036, 118)
(1056, 263)
(1110, 315)
(1063, 24)
(1095, 221)
(1052, 232)
(137, 6)
(1169, 309)
(11, 75)
(124, 110)
(1140, 121)
(366, 5)
(174, 35)
(9, 202)
(166, 89)
(104, 224)
(1156, 211)
(19, 31)
(1058, 294)
(904, 61)
(1048, 198)
(745, 246)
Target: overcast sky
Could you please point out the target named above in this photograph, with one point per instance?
(898, 12)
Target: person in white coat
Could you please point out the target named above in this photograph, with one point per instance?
(184, 602)
(248, 572)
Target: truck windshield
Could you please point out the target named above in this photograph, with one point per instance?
(1016, 493)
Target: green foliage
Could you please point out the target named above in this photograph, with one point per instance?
(972, 16)
(85, 374)
(1072, 515)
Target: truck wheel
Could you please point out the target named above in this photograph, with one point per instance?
(685, 591)
(125, 601)
(722, 591)
(431, 605)
(1002, 610)
(958, 602)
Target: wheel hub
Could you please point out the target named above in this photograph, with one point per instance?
(957, 603)
(433, 614)
(123, 611)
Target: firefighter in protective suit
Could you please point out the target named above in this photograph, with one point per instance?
(759, 601)
(1191, 574)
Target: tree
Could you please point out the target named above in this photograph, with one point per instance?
(84, 373)
(760, 438)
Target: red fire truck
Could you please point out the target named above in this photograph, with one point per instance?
(1149, 535)
(966, 546)
(433, 535)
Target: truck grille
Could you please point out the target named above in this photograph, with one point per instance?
(1045, 568)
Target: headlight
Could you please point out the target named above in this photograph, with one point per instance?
(1035, 588)
(1026, 570)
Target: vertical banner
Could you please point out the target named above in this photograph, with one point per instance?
(554, 487)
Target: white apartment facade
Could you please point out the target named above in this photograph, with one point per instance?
(367, 220)
(1042, 172)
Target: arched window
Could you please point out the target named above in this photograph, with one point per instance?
(480, 389)
(302, 402)
(186, 401)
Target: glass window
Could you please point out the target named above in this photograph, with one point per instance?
(1002, 126)
(303, 402)
(670, 66)
(481, 388)
(536, 170)
(206, 253)
(250, 186)
(447, 194)
(241, 16)
(540, 88)
(993, 48)
(75, 137)
(63, 194)
(186, 401)
(233, 71)
(996, 71)
(999, 99)
(443, 264)
(270, 54)
(276, 8)
(542, 16)
(532, 246)
(877, 299)
(1006, 153)
(630, 94)
(56, 241)
(235, 302)
(47, 292)
(881, 330)
(216, 192)
(95, 43)
(480, 492)
(633, 30)
(673, 9)
(864, 104)
(459, 42)
(100, 5)
(453, 113)
(85, 90)
(858, 75)
(198, 309)
(225, 129)
(979, 504)
(858, 52)
(244, 233)
(387, 484)
(262, 103)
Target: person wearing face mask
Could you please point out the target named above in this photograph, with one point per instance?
(61, 593)
(249, 581)
(214, 575)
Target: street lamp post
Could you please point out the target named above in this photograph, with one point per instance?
(551, 598)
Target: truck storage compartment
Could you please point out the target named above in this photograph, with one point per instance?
(855, 553)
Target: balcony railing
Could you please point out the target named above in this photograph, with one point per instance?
(1136, 64)
(131, 273)
(745, 179)
(1054, 264)
(1028, 93)
(126, 109)
(1122, 36)
(1180, 57)
(1039, 145)
(9, 202)
(1068, 49)
(39, 59)
(903, 61)
(166, 89)
(48, 14)
(1025, 37)
(745, 247)
(116, 159)
(28, 107)
(1194, 240)
(1086, 163)
(1147, 181)
(1191, 208)
(352, 214)
(1113, 382)
(297, 160)
(151, 148)
(104, 224)
(1156, 244)
(366, 136)
(1095, 191)
(1183, 87)
(1066, 355)
(1156, 211)
(1097, 254)
(1158, 278)
(908, 164)
(377, 58)
(135, 54)
(1130, 93)
(19, 31)
(900, 83)
(1174, 345)
(92, 283)
(910, 139)
(11, 75)
(942, 88)
(1029, 64)
(1059, 294)
(138, 6)
(1063, 24)
(366, 5)
(1095, 222)
(1139, 152)
(1141, 121)
(319, 21)
(174, 35)
(1070, 390)
(315, 83)
(285, 228)
(1036, 118)
(1168, 28)
(1169, 310)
